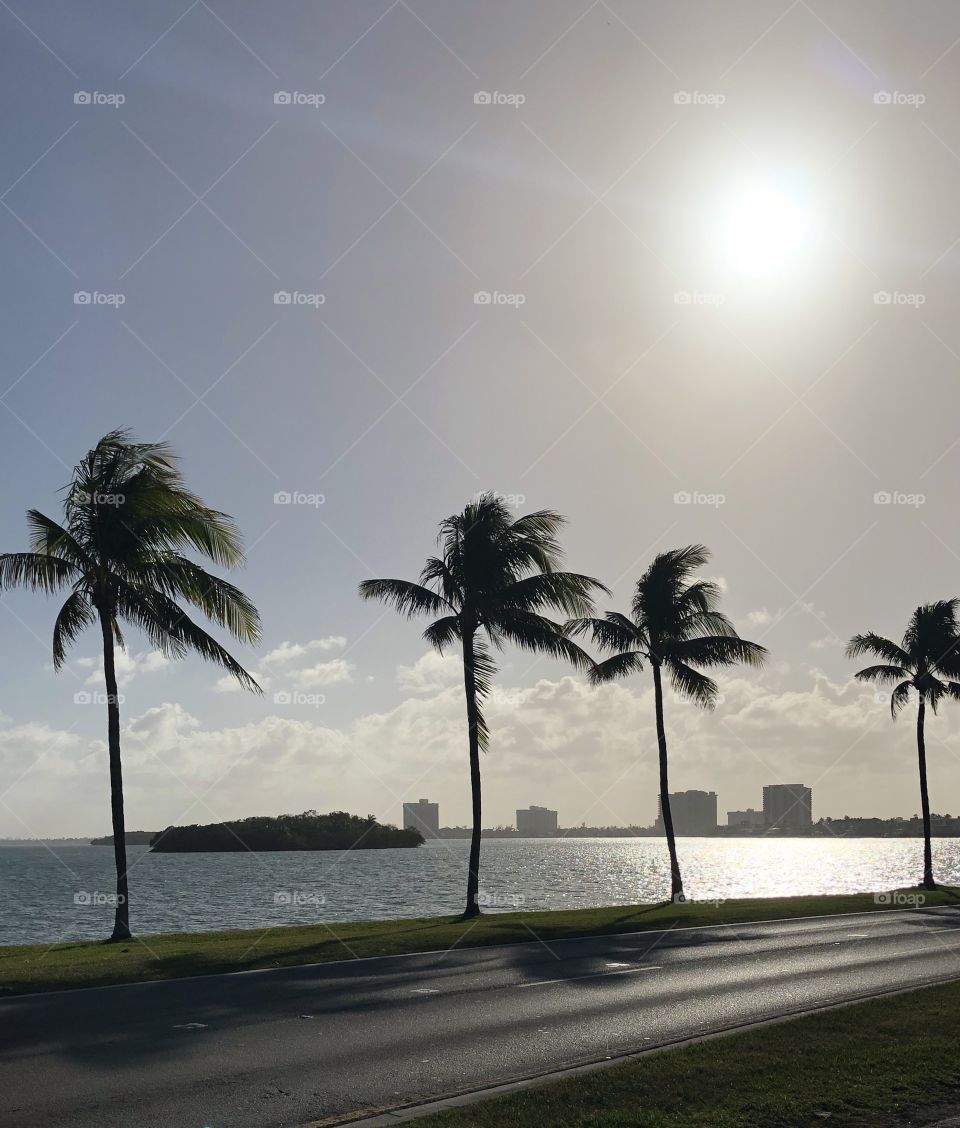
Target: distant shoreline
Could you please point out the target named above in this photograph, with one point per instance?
(619, 835)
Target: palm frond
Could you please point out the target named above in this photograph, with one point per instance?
(74, 616)
(218, 599)
(619, 666)
(702, 596)
(899, 698)
(408, 598)
(690, 683)
(614, 632)
(569, 592)
(534, 632)
(208, 531)
(879, 647)
(443, 632)
(173, 632)
(484, 671)
(436, 574)
(882, 675)
(716, 650)
(704, 623)
(48, 538)
(36, 570)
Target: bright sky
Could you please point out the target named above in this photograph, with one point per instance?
(720, 246)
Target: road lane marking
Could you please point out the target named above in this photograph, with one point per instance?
(593, 975)
(425, 991)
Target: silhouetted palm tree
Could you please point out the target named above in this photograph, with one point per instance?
(927, 660)
(493, 577)
(674, 624)
(127, 516)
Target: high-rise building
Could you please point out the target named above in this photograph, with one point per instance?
(749, 817)
(788, 807)
(693, 812)
(536, 822)
(423, 816)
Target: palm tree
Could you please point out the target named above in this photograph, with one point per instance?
(674, 624)
(493, 577)
(927, 660)
(127, 516)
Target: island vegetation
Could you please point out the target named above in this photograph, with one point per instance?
(310, 831)
(131, 837)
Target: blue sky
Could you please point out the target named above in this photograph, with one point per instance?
(624, 363)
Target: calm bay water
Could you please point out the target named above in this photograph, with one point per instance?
(54, 895)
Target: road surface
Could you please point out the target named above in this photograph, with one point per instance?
(290, 1047)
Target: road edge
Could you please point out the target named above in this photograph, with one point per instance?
(4, 997)
(403, 1113)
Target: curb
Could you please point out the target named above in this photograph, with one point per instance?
(400, 1114)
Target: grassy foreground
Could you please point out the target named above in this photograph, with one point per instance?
(41, 967)
(875, 1064)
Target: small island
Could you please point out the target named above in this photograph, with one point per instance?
(310, 831)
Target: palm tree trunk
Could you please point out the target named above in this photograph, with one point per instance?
(470, 688)
(676, 881)
(121, 920)
(928, 882)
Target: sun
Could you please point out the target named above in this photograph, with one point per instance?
(764, 227)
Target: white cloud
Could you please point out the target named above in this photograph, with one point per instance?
(589, 752)
(430, 673)
(291, 651)
(334, 672)
(229, 684)
(289, 655)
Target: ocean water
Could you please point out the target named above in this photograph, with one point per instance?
(62, 893)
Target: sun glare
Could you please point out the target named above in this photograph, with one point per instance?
(764, 228)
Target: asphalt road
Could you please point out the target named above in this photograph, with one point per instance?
(289, 1047)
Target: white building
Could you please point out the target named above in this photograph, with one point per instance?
(423, 816)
